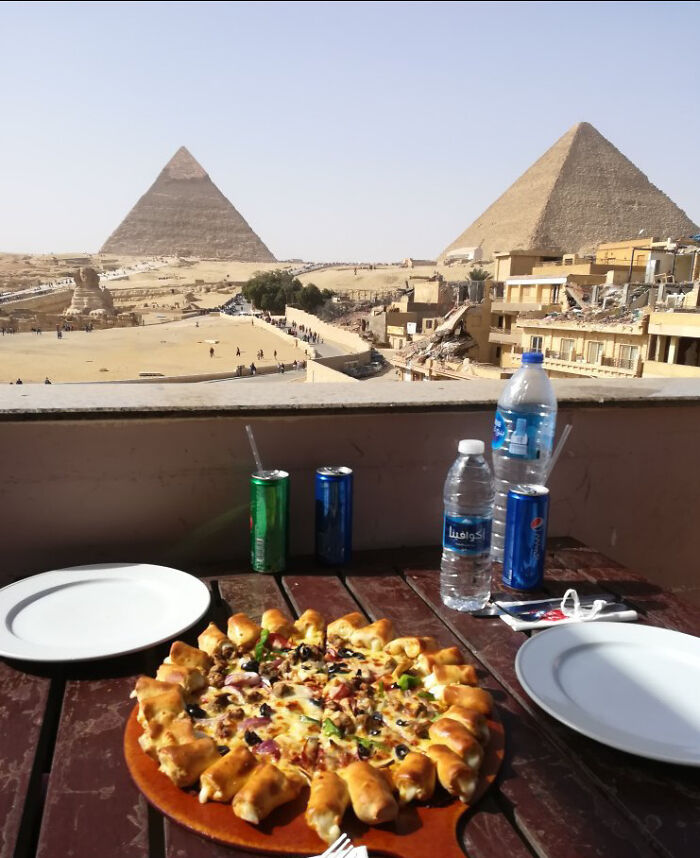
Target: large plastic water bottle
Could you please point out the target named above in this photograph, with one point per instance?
(465, 576)
(523, 434)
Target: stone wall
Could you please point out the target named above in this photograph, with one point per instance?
(339, 336)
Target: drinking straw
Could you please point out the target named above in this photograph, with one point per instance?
(557, 452)
(254, 447)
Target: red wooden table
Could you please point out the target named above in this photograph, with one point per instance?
(65, 791)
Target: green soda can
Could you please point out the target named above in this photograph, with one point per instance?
(269, 520)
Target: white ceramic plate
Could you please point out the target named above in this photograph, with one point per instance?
(632, 687)
(89, 612)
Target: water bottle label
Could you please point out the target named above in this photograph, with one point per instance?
(467, 535)
(523, 436)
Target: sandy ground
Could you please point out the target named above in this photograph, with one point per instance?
(174, 348)
(343, 278)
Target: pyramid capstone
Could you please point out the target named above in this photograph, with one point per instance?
(183, 213)
(581, 192)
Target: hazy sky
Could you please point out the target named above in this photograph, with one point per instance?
(340, 131)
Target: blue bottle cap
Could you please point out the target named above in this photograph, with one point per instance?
(533, 357)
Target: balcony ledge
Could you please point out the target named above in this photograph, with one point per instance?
(130, 401)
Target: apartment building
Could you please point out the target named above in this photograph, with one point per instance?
(674, 340)
(574, 347)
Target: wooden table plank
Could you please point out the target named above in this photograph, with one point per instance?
(324, 593)
(251, 594)
(561, 814)
(92, 807)
(24, 706)
(662, 800)
(660, 607)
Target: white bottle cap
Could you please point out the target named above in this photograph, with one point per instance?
(471, 448)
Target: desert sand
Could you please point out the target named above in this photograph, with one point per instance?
(173, 349)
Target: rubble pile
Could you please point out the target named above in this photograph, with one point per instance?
(450, 342)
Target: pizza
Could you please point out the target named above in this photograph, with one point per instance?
(363, 718)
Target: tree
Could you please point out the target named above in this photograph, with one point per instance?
(478, 274)
(271, 291)
(310, 298)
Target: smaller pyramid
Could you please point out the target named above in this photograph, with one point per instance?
(581, 192)
(183, 213)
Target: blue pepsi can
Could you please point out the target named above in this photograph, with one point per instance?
(525, 542)
(333, 515)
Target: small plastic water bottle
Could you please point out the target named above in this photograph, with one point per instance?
(465, 571)
(523, 434)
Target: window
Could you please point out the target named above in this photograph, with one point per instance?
(628, 356)
(535, 344)
(566, 349)
(594, 352)
(428, 324)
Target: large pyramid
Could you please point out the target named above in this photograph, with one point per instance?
(184, 213)
(581, 192)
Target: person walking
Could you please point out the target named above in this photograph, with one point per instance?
(253, 370)
(211, 352)
(238, 351)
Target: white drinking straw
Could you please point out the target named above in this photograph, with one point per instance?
(254, 447)
(560, 446)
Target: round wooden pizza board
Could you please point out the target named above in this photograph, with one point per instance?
(418, 831)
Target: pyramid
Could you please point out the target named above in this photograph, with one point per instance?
(183, 213)
(581, 192)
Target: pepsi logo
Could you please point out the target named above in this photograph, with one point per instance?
(536, 522)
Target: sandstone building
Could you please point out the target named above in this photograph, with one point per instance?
(183, 213)
(581, 192)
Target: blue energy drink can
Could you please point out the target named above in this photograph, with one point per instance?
(333, 515)
(525, 543)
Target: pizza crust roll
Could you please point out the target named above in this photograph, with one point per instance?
(267, 788)
(214, 642)
(414, 778)
(328, 802)
(447, 731)
(310, 626)
(178, 732)
(453, 773)
(469, 697)
(452, 674)
(411, 646)
(427, 661)
(475, 722)
(185, 655)
(183, 764)
(276, 623)
(147, 687)
(189, 678)
(340, 630)
(375, 636)
(242, 631)
(224, 778)
(157, 712)
(370, 793)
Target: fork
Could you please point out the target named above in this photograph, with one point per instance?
(341, 848)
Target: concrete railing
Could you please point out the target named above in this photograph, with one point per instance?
(160, 473)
